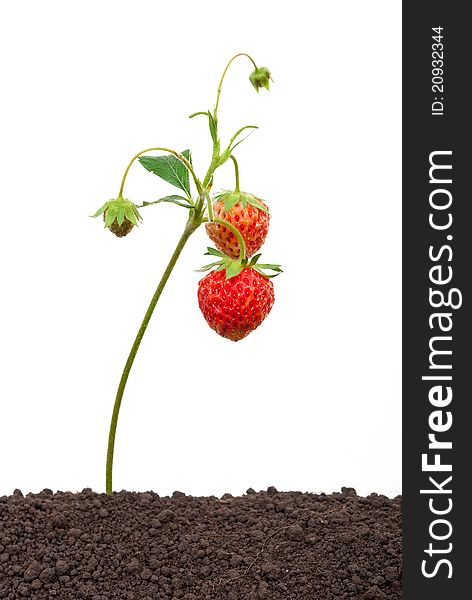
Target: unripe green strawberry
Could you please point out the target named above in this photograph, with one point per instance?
(248, 214)
(119, 230)
(234, 307)
(120, 216)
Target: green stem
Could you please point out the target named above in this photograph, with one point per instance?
(222, 79)
(239, 237)
(236, 172)
(210, 208)
(176, 154)
(215, 160)
(190, 227)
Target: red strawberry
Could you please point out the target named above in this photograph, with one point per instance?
(248, 214)
(234, 307)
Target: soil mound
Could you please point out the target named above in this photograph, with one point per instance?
(138, 546)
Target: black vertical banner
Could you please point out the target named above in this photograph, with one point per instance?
(437, 313)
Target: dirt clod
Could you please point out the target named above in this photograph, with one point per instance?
(129, 546)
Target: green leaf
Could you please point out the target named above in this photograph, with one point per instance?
(169, 168)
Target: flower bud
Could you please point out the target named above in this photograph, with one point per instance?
(260, 77)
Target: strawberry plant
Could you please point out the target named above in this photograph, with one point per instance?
(237, 294)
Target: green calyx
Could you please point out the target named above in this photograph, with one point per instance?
(119, 215)
(234, 267)
(260, 77)
(230, 199)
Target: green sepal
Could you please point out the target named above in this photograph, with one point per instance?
(120, 215)
(232, 198)
(260, 268)
(110, 215)
(119, 209)
(208, 267)
(215, 252)
(130, 214)
(235, 267)
(101, 210)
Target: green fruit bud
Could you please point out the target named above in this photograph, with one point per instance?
(120, 216)
(119, 230)
(260, 78)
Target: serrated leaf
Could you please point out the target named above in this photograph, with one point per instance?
(170, 169)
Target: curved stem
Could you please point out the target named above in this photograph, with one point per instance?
(176, 154)
(222, 79)
(239, 237)
(236, 172)
(215, 159)
(189, 229)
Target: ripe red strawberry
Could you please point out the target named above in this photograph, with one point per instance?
(248, 214)
(234, 307)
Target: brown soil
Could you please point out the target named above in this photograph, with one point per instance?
(281, 546)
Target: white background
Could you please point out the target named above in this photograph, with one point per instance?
(311, 400)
